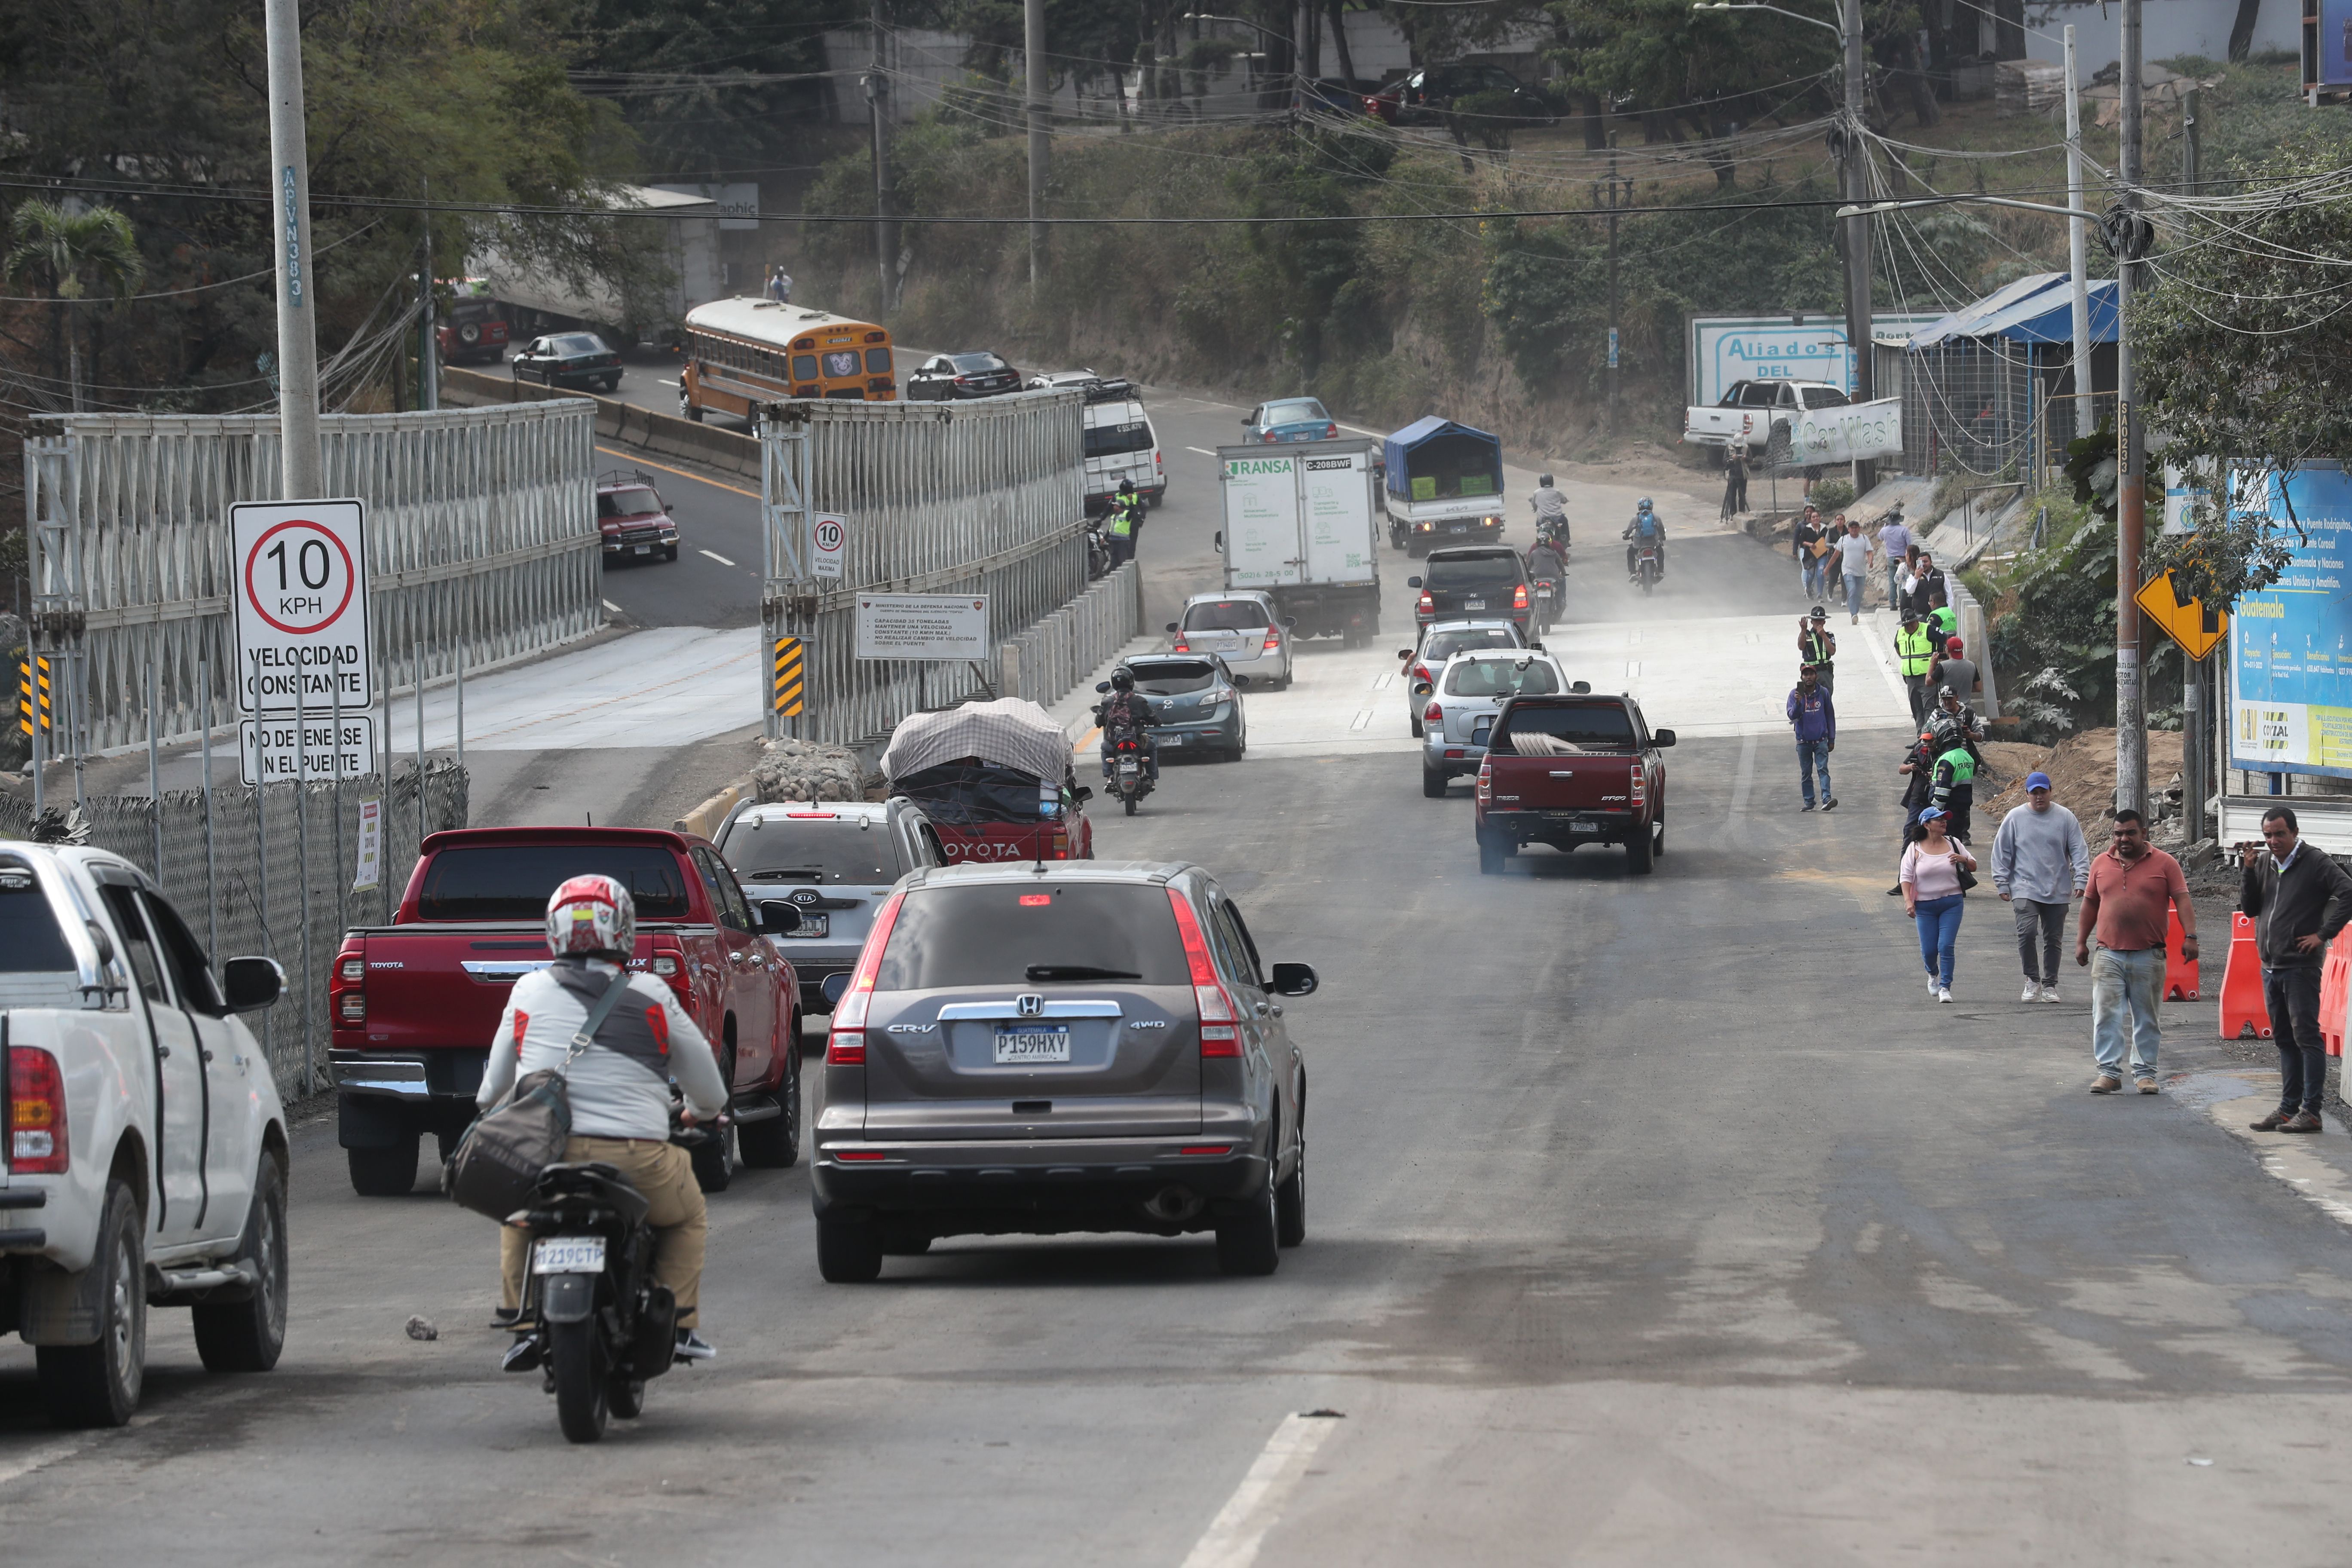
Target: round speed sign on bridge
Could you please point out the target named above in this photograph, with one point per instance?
(301, 606)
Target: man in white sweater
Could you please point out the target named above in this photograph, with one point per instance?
(2040, 863)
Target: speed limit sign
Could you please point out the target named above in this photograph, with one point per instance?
(828, 544)
(301, 606)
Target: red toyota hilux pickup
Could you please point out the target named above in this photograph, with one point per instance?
(414, 1003)
(1569, 770)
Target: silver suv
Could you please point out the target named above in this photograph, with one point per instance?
(835, 862)
(1089, 1046)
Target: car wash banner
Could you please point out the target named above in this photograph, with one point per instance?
(2291, 645)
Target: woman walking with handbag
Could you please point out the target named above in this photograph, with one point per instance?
(1937, 872)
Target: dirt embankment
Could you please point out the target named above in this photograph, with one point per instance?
(2082, 769)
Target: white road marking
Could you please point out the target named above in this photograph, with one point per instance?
(1203, 450)
(1362, 719)
(1633, 638)
(715, 556)
(1633, 670)
(612, 607)
(1383, 682)
(659, 382)
(1234, 1537)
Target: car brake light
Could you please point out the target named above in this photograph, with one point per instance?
(845, 1047)
(346, 987)
(1421, 672)
(1218, 1035)
(857, 1154)
(1181, 646)
(1433, 715)
(1156, 463)
(37, 1145)
(1331, 431)
(1061, 844)
(1519, 597)
(1426, 604)
(1272, 639)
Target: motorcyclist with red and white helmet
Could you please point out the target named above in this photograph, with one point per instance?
(619, 1087)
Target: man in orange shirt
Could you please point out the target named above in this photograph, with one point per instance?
(2125, 905)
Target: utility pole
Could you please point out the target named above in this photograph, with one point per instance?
(301, 468)
(2131, 508)
(428, 374)
(1033, 48)
(877, 88)
(1857, 228)
(2078, 247)
(1612, 282)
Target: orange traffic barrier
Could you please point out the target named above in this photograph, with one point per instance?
(2179, 971)
(2334, 971)
(2243, 1012)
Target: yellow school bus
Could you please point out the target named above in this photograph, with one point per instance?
(742, 351)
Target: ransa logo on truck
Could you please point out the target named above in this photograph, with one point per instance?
(1240, 468)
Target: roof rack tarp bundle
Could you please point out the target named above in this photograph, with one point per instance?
(1009, 731)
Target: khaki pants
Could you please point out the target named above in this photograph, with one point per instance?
(666, 1176)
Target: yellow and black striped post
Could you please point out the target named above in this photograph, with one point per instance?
(787, 692)
(27, 702)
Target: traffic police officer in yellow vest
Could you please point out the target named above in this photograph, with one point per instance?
(1915, 648)
(1125, 512)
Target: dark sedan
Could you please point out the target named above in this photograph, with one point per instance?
(569, 359)
(945, 376)
(1428, 95)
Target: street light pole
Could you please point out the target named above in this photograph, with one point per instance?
(1857, 228)
(1032, 36)
(2078, 247)
(301, 468)
(2131, 510)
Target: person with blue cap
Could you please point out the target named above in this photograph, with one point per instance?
(2040, 862)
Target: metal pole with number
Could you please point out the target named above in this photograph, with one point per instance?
(154, 771)
(301, 466)
(303, 855)
(212, 888)
(417, 664)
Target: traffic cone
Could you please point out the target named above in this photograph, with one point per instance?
(2243, 1013)
(2334, 971)
(2179, 971)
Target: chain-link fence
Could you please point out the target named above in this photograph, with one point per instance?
(270, 870)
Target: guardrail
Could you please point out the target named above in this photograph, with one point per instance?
(729, 451)
(482, 548)
(1051, 658)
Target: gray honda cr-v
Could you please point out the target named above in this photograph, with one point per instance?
(1083, 1046)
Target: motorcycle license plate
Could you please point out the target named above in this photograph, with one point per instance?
(645, 549)
(1473, 604)
(811, 925)
(568, 1255)
(1033, 1043)
(1130, 765)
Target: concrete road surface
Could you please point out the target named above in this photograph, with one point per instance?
(1652, 1220)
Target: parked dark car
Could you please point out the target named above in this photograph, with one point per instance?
(1425, 97)
(633, 520)
(1475, 582)
(569, 359)
(945, 376)
(1334, 94)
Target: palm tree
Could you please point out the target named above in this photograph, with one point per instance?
(65, 253)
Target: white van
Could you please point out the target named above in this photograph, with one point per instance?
(1120, 442)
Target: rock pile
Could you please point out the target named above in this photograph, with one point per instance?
(807, 770)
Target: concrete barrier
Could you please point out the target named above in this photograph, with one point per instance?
(624, 423)
(704, 820)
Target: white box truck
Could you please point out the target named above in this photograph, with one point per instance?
(1299, 525)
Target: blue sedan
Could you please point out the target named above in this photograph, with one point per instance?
(1289, 419)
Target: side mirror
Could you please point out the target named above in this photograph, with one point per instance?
(1290, 623)
(1171, 626)
(1404, 653)
(835, 986)
(1102, 686)
(1480, 733)
(1082, 795)
(1295, 980)
(1412, 582)
(1220, 543)
(778, 917)
(252, 983)
(1663, 739)
(1535, 647)
(1580, 688)
(1420, 689)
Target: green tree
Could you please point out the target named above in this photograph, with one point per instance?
(67, 253)
(2242, 347)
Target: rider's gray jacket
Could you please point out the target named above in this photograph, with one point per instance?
(620, 1085)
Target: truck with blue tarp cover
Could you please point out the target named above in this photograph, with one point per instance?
(1444, 486)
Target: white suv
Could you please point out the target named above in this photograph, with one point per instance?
(146, 1156)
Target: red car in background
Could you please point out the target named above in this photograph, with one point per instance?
(471, 331)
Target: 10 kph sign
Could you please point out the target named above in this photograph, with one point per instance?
(301, 606)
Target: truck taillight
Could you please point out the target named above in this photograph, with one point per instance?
(1221, 1035)
(347, 984)
(1427, 605)
(665, 964)
(1519, 597)
(845, 1045)
(1635, 794)
(669, 963)
(1485, 776)
(1061, 844)
(37, 1145)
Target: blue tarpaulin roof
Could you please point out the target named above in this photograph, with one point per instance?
(1400, 445)
(2036, 310)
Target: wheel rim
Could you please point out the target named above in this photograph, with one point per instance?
(123, 1333)
(270, 1257)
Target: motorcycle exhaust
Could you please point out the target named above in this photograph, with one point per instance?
(1173, 1204)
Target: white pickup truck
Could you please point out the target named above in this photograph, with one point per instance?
(1751, 410)
(146, 1154)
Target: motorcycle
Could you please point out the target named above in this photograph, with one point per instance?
(1546, 603)
(1647, 565)
(1126, 764)
(1097, 550)
(603, 1327)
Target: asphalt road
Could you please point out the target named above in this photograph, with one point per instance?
(1652, 1220)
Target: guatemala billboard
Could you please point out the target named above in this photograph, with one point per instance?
(2291, 645)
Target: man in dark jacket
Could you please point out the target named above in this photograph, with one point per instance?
(1813, 715)
(2299, 898)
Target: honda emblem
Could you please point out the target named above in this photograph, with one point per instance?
(1030, 1003)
